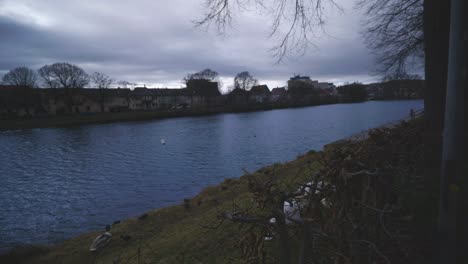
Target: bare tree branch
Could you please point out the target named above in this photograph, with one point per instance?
(101, 80)
(236, 217)
(206, 74)
(244, 81)
(64, 75)
(394, 31)
(295, 21)
(21, 77)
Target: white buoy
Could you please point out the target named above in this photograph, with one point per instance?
(163, 141)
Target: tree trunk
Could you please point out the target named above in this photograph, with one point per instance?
(436, 38)
(451, 187)
(101, 99)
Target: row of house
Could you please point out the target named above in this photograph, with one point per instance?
(16, 102)
(199, 94)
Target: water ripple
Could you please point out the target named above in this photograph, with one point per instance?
(57, 183)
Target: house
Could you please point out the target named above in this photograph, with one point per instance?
(86, 100)
(238, 97)
(375, 91)
(19, 101)
(325, 85)
(301, 81)
(203, 93)
(301, 87)
(54, 101)
(116, 100)
(260, 94)
(203, 87)
(142, 98)
(279, 94)
(396, 89)
(330, 88)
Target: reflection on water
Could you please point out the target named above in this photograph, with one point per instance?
(59, 182)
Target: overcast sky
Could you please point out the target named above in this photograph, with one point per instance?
(154, 42)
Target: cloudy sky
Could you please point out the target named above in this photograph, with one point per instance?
(154, 42)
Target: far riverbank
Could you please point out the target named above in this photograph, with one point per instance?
(111, 117)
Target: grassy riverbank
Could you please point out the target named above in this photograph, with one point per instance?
(175, 233)
(194, 232)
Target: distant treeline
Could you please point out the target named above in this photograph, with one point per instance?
(65, 93)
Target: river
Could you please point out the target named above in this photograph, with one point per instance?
(56, 183)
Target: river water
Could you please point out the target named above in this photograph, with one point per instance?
(59, 182)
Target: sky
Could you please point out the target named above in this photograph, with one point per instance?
(155, 43)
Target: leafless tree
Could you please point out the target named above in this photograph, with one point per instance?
(21, 77)
(46, 74)
(244, 81)
(206, 74)
(101, 80)
(295, 21)
(64, 75)
(126, 84)
(394, 30)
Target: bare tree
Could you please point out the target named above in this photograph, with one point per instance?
(48, 78)
(394, 30)
(126, 84)
(206, 74)
(244, 81)
(21, 77)
(295, 21)
(101, 80)
(64, 75)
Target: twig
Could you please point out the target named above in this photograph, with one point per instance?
(374, 247)
(362, 172)
(242, 219)
(375, 209)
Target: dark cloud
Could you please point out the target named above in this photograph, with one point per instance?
(154, 42)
